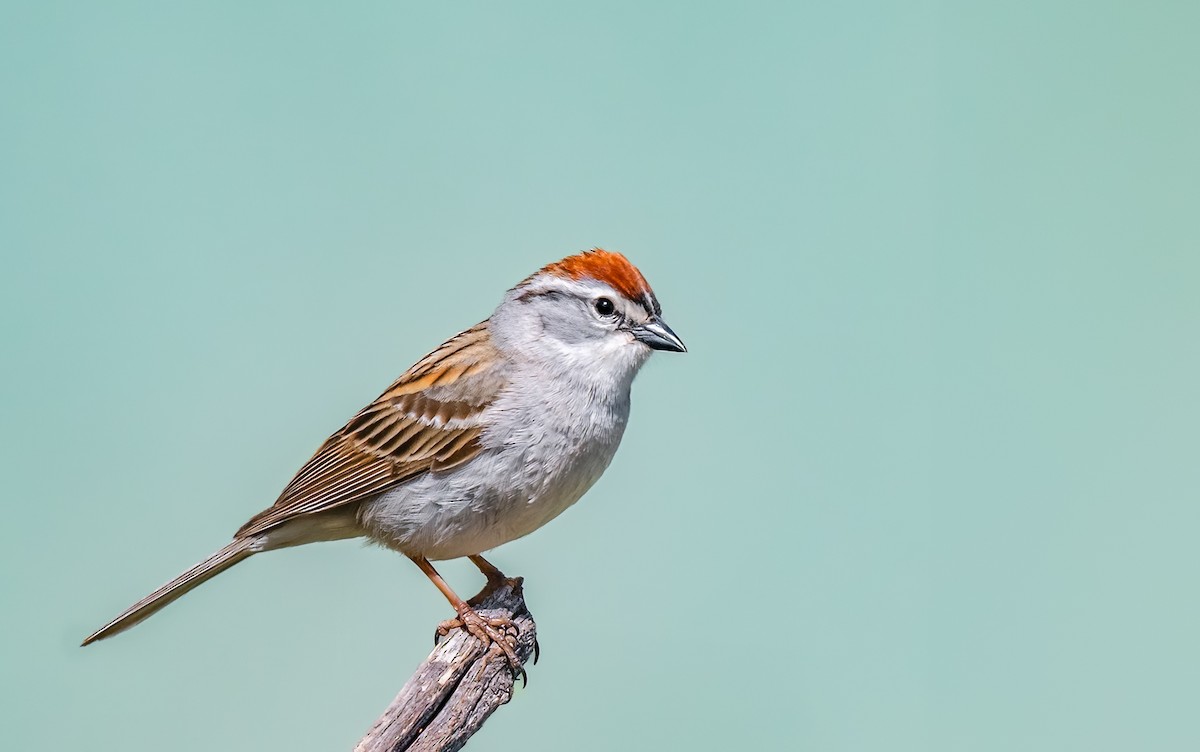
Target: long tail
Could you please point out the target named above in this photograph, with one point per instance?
(239, 549)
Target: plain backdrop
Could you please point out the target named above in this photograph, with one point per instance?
(927, 479)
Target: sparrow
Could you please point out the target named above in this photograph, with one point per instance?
(483, 441)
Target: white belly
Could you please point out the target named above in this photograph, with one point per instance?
(525, 476)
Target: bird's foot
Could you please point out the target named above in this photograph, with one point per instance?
(495, 581)
(498, 631)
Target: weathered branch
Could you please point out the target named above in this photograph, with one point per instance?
(457, 687)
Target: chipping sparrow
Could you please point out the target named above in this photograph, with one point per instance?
(486, 439)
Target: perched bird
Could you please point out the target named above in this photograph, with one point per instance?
(486, 439)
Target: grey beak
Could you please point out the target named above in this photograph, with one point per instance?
(658, 336)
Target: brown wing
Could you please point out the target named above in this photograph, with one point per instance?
(427, 420)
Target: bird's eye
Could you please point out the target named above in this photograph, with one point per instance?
(604, 307)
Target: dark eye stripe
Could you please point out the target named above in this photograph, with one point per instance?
(650, 303)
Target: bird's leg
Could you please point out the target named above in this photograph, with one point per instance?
(495, 579)
(494, 631)
(489, 570)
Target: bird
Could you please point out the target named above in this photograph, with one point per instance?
(484, 440)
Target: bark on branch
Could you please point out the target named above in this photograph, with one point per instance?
(458, 686)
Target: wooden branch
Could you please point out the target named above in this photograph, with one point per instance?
(457, 687)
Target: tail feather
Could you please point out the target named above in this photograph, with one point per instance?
(212, 566)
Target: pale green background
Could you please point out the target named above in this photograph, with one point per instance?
(927, 479)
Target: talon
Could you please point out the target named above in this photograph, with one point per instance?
(445, 628)
(490, 631)
(537, 651)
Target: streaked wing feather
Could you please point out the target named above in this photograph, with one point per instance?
(426, 421)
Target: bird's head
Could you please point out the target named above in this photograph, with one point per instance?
(593, 310)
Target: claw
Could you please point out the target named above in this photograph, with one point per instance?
(489, 631)
(443, 630)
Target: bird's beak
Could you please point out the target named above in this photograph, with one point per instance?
(658, 336)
